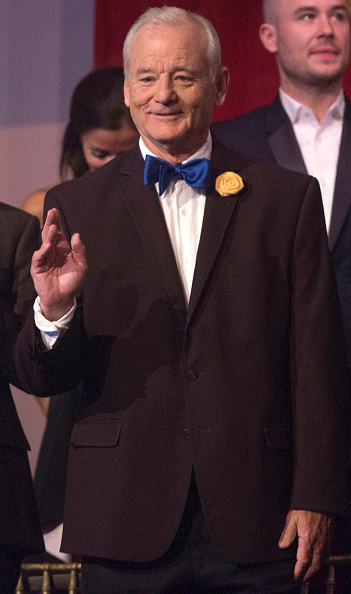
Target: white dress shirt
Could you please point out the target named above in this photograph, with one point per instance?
(183, 209)
(319, 143)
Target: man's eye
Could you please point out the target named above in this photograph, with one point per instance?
(147, 79)
(340, 16)
(307, 16)
(183, 78)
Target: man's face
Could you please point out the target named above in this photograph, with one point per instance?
(311, 40)
(169, 90)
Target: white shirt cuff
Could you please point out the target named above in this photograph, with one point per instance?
(50, 331)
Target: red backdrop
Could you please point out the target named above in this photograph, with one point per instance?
(254, 77)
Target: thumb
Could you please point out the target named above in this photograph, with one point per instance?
(289, 533)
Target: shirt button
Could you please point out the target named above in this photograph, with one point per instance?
(184, 212)
(192, 374)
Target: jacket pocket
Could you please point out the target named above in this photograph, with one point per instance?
(96, 434)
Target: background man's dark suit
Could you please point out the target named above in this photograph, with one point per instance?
(19, 521)
(267, 133)
(246, 385)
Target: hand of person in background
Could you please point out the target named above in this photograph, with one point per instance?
(57, 269)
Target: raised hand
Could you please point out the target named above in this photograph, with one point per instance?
(313, 532)
(57, 269)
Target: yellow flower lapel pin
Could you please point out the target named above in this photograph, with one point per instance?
(229, 183)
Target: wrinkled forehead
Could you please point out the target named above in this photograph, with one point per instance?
(183, 34)
(169, 45)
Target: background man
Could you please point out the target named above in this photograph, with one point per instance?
(210, 348)
(307, 128)
(20, 532)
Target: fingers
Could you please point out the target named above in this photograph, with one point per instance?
(55, 251)
(314, 548)
(303, 556)
(308, 561)
(40, 256)
(313, 567)
(78, 250)
(289, 533)
(313, 530)
(45, 253)
(304, 559)
(52, 230)
(52, 218)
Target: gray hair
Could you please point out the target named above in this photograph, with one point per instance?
(172, 16)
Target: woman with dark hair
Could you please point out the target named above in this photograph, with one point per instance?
(99, 129)
(100, 126)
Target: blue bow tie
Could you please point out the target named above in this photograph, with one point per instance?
(195, 173)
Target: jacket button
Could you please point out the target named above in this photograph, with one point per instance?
(192, 374)
(186, 433)
(32, 354)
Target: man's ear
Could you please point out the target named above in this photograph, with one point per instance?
(268, 37)
(126, 93)
(222, 86)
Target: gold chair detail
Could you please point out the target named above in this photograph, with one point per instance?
(48, 578)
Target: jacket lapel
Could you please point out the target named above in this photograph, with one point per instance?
(218, 213)
(282, 139)
(151, 225)
(143, 204)
(342, 192)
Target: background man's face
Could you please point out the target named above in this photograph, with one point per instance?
(168, 88)
(312, 40)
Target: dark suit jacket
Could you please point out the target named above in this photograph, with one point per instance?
(19, 521)
(266, 132)
(246, 385)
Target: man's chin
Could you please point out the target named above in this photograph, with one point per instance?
(327, 70)
(325, 77)
(169, 137)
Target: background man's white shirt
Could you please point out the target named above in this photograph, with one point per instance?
(319, 143)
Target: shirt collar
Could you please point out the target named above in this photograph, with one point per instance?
(294, 109)
(204, 152)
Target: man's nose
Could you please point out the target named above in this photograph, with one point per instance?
(325, 27)
(164, 91)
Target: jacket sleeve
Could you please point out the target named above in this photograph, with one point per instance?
(17, 291)
(319, 376)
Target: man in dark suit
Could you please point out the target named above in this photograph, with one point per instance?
(20, 532)
(208, 339)
(307, 127)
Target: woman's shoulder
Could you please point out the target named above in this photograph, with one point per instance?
(34, 202)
